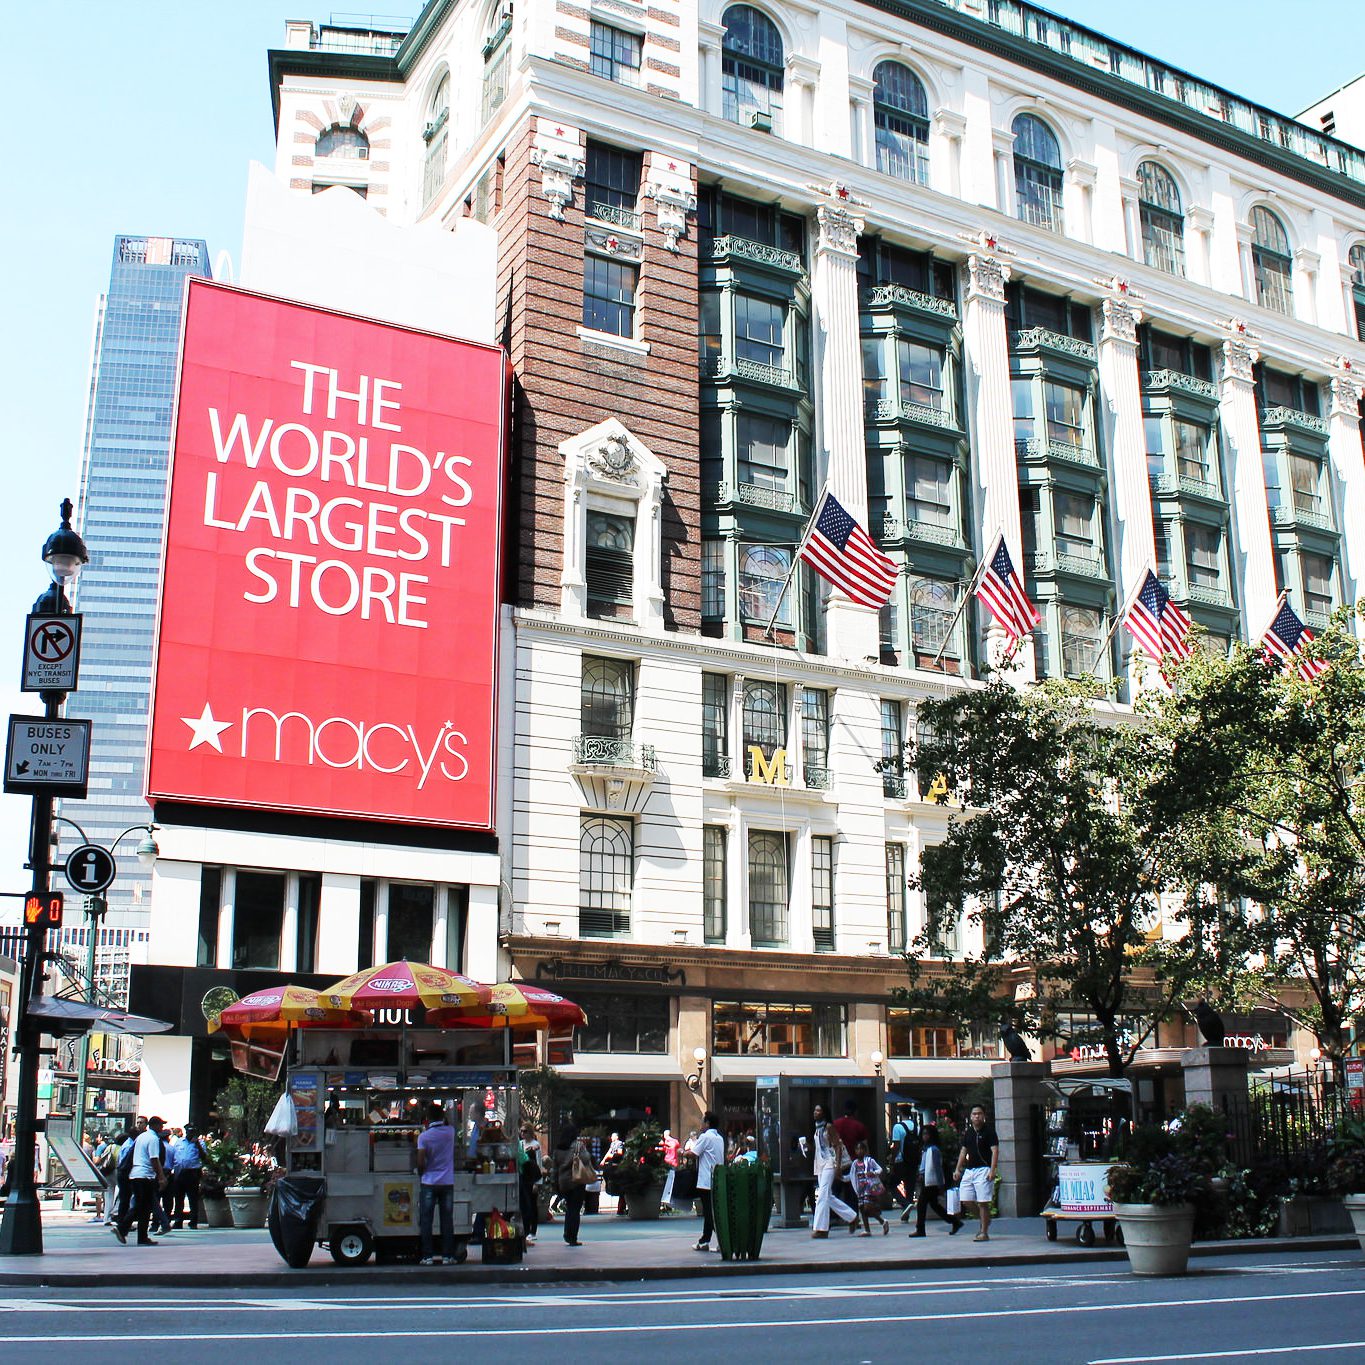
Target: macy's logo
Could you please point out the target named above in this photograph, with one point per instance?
(336, 742)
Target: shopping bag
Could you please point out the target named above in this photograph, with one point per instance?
(953, 1203)
(684, 1186)
(284, 1119)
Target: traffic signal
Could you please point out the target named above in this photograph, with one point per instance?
(43, 909)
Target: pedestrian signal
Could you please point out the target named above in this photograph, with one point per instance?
(43, 909)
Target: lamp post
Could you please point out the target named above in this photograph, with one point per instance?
(21, 1229)
(695, 1078)
(95, 908)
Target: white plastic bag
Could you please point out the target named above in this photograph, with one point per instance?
(284, 1118)
(954, 1202)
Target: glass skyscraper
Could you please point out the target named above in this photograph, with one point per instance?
(122, 501)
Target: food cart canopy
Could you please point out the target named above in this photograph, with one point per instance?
(70, 1018)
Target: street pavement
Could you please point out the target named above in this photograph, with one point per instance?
(1270, 1310)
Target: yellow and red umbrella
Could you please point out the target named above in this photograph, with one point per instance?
(517, 1005)
(407, 985)
(277, 1008)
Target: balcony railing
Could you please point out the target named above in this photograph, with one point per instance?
(892, 410)
(1168, 485)
(614, 753)
(719, 367)
(817, 779)
(752, 494)
(892, 295)
(715, 765)
(1035, 448)
(1082, 566)
(894, 786)
(611, 213)
(1040, 339)
(1300, 516)
(1209, 597)
(1292, 417)
(1167, 381)
(760, 253)
(927, 532)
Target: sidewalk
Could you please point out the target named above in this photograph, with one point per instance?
(80, 1253)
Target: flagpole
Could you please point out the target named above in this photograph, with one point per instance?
(1122, 616)
(966, 597)
(796, 558)
(1274, 612)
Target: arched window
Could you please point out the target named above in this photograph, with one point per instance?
(606, 869)
(751, 68)
(1037, 173)
(933, 605)
(1271, 266)
(1355, 258)
(763, 573)
(348, 143)
(1080, 641)
(435, 135)
(1162, 219)
(606, 698)
(900, 113)
(768, 888)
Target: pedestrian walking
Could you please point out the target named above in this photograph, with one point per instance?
(865, 1175)
(976, 1165)
(123, 1172)
(904, 1165)
(573, 1170)
(528, 1172)
(436, 1171)
(827, 1160)
(709, 1148)
(161, 1206)
(931, 1185)
(187, 1171)
(671, 1146)
(146, 1179)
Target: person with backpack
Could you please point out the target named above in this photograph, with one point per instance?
(123, 1171)
(903, 1145)
(573, 1173)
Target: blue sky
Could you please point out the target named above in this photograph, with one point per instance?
(144, 119)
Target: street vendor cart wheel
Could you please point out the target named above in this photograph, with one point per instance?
(1051, 1229)
(351, 1246)
(1085, 1234)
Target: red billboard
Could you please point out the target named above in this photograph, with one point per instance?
(329, 607)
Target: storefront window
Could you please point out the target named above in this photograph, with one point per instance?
(777, 1029)
(911, 1037)
(623, 1023)
(258, 918)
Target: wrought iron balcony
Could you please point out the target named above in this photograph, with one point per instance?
(897, 295)
(1082, 566)
(894, 786)
(1289, 515)
(1041, 339)
(817, 779)
(892, 410)
(611, 213)
(753, 494)
(760, 253)
(715, 765)
(1035, 448)
(754, 371)
(1281, 418)
(1172, 381)
(1209, 597)
(589, 750)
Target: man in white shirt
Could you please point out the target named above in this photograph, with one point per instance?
(145, 1182)
(709, 1148)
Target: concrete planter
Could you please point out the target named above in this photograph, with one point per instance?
(248, 1206)
(1354, 1204)
(643, 1204)
(217, 1212)
(1312, 1215)
(1157, 1237)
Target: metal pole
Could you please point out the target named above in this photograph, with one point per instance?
(95, 906)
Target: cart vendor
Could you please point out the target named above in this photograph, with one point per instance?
(436, 1169)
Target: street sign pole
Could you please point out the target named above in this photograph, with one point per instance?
(95, 906)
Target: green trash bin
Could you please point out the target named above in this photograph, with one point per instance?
(742, 1199)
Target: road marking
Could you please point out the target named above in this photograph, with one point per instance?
(1234, 1355)
(614, 1329)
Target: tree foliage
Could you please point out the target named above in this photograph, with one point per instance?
(1269, 767)
(1060, 853)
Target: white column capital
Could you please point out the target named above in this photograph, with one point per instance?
(987, 276)
(1347, 385)
(1199, 218)
(839, 231)
(802, 70)
(1121, 312)
(709, 35)
(861, 89)
(1239, 352)
(1307, 259)
(949, 123)
(1083, 173)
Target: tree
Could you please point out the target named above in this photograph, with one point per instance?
(1063, 858)
(1270, 766)
(547, 1099)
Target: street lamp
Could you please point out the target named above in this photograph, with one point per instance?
(694, 1079)
(21, 1229)
(95, 908)
(878, 1060)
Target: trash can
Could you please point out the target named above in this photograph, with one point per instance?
(295, 1211)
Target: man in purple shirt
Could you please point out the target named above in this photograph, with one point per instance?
(436, 1166)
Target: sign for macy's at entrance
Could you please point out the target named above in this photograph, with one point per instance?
(329, 610)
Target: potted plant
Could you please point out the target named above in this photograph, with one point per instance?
(221, 1156)
(248, 1195)
(641, 1173)
(1346, 1169)
(1154, 1187)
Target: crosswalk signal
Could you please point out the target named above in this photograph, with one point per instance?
(43, 909)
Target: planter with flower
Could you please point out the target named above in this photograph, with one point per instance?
(1155, 1186)
(221, 1157)
(248, 1196)
(1346, 1168)
(641, 1173)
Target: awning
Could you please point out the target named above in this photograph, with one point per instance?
(69, 1018)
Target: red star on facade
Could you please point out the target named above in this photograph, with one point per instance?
(559, 132)
(1123, 286)
(613, 243)
(991, 243)
(842, 191)
(672, 165)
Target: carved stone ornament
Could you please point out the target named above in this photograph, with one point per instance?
(624, 246)
(672, 206)
(839, 229)
(1239, 354)
(346, 103)
(560, 157)
(1121, 320)
(613, 459)
(986, 278)
(1347, 384)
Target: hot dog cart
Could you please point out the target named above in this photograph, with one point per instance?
(361, 1099)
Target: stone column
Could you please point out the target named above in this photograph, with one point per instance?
(860, 93)
(1080, 178)
(1255, 562)
(1199, 225)
(1347, 458)
(990, 413)
(798, 109)
(839, 401)
(1307, 263)
(1121, 420)
(709, 37)
(1132, 220)
(945, 151)
(1018, 1090)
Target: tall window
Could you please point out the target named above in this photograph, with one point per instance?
(1193, 453)
(895, 898)
(606, 869)
(609, 295)
(822, 891)
(615, 54)
(348, 143)
(497, 63)
(763, 573)
(900, 114)
(1319, 584)
(436, 134)
(713, 883)
(607, 697)
(609, 565)
(815, 735)
(1305, 476)
(768, 889)
(715, 725)
(1065, 413)
(710, 336)
(893, 748)
(1075, 518)
(1037, 173)
(306, 927)
(763, 450)
(759, 331)
(929, 490)
(210, 912)
(921, 373)
(1355, 258)
(1081, 636)
(412, 911)
(1271, 266)
(1161, 219)
(751, 67)
(713, 578)
(258, 919)
(765, 717)
(1204, 555)
(611, 182)
(932, 606)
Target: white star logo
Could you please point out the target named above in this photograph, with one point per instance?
(205, 729)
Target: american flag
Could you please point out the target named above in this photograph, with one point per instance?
(841, 551)
(1156, 623)
(1002, 590)
(1285, 639)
